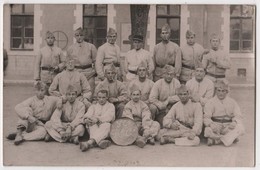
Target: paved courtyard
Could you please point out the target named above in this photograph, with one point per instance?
(53, 153)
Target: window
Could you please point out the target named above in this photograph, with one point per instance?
(95, 23)
(168, 14)
(241, 28)
(22, 27)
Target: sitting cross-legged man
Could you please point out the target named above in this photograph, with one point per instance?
(98, 121)
(137, 110)
(33, 113)
(66, 123)
(222, 117)
(183, 123)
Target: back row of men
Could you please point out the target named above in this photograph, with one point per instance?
(165, 110)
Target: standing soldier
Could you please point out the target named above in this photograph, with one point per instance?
(166, 52)
(109, 53)
(135, 56)
(49, 62)
(216, 62)
(85, 55)
(192, 53)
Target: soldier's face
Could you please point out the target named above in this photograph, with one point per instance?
(199, 74)
(70, 65)
(221, 93)
(141, 72)
(50, 40)
(111, 39)
(184, 96)
(215, 43)
(190, 40)
(165, 35)
(40, 93)
(110, 75)
(137, 44)
(71, 96)
(136, 95)
(168, 77)
(102, 98)
(79, 37)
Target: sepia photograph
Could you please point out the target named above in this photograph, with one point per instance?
(129, 85)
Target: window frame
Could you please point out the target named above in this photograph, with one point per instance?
(94, 16)
(241, 18)
(23, 15)
(168, 16)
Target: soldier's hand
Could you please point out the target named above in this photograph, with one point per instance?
(68, 132)
(32, 119)
(215, 128)
(39, 123)
(206, 51)
(63, 135)
(64, 99)
(213, 59)
(101, 78)
(232, 125)
(113, 100)
(56, 69)
(191, 135)
(175, 125)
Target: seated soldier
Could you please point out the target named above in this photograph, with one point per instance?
(222, 117)
(183, 123)
(66, 123)
(33, 113)
(71, 77)
(98, 121)
(145, 85)
(117, 92)
(163, 94)
(137, 110)
(201, 88)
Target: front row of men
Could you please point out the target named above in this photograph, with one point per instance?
(165, 110)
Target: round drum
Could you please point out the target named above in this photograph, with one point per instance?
(124, 131)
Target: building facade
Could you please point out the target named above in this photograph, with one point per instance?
(25, 27)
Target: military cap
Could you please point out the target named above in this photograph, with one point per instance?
(40, 85)
(102, 88)
(110, 67)
(142, 64)
(190, 33)
(79, 31)
(182, 88)
(166, 27)
(169, 69)
(134, 88)
(49, 34)
(214, 36)
(138, 38)
(111, 31)
(71, 88)
(223, 84)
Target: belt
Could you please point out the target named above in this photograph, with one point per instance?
(165, 64)
(185, 124)
(219, 120)
(84, 66)
(216, 76)
(189, 67)
(133, 72)
(115, 64)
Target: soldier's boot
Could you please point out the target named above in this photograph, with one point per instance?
(210, 142)
(74, 140)
(166, 139)
(48, 138)
(18, 138)
(151, 141)
(208, 133)
(103, 144)
(84, 146)
(236, 140)
(11, 136)
(140, 142)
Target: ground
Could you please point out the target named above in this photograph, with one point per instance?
(54, 153)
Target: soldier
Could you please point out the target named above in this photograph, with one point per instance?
(33, 113)
(163, 94)
(216, 62)
(109, 53)
(135, 56)
(201, 88)
(66, 123)
(72, 77)
(184, 121)
(138, 111)
(117, 92)
(84, 54)
(222, 117)
(49, 62)
(98, 121)
(192, 54)
(166, 52)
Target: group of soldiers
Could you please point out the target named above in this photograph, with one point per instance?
(177, 95)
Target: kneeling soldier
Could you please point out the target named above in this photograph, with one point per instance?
(222, 117)
(137, 110)
(98, 121)
(66, 123)
(183, 123)
(33, 113)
